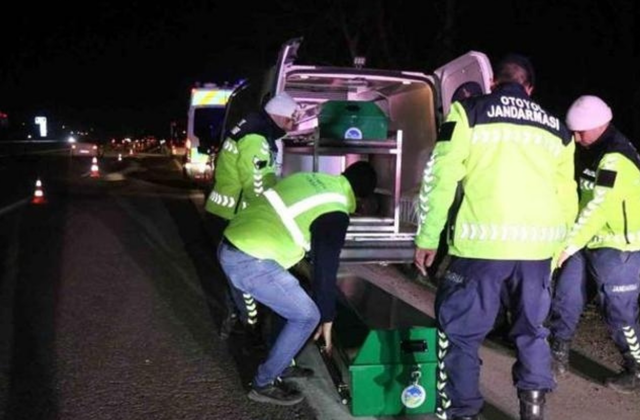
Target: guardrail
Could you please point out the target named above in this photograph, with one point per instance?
(10, 148)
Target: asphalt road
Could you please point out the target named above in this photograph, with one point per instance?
(104, 313)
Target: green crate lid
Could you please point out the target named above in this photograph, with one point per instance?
(352, 120)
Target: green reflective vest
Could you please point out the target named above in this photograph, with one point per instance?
(276, 226)
(515, 164)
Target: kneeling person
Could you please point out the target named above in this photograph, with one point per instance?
(303, 211)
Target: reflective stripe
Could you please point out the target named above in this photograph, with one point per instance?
(425, 190)
(632, 341)
(512, 233)
(618, 238)
(258, 186)
(222, 200)
(230, 147)
(507, 135)
(444, 402)
(287, 218)
(316, 200)
(288, 214)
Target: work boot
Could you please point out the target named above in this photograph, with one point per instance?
(531, 404)
(560, 356)
(628, 380)
(275, 393)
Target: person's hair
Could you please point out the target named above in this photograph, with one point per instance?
(515, 68)
(466, 90)
(362, 177)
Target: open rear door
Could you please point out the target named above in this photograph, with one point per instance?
(286, 57)
(473, 66)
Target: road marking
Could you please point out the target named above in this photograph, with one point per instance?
(14, 206)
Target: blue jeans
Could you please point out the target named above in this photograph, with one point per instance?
(617, 276)
(276, 288)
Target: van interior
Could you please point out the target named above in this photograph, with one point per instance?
(405, 111)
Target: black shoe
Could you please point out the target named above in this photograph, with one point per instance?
(627, 381)
(560, 356)
(228, 325)
(276, 393)
(465, 418)
(296, 372)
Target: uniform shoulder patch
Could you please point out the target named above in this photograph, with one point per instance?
(446, 131)
(606, 178)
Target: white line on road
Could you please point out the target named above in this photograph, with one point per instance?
(14, 206)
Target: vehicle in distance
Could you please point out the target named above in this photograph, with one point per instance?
(85, 149)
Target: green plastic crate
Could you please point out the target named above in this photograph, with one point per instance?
(352, 120)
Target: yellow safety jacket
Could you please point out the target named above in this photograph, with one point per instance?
(515, 164)
(609, 196)
(245, 165)
(276, 226)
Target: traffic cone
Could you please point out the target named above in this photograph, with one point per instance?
(38, 194)
(95, 172)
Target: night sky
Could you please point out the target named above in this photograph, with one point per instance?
(125, 68)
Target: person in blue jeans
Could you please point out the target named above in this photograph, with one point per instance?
(604, 241)
(304, 212)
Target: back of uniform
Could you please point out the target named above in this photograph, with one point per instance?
(515, 163)
(245, 165)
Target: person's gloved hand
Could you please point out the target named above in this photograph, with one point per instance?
(324, 330)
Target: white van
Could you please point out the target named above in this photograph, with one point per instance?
(387, 117)
(204, 120)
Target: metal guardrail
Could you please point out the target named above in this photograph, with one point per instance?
(11, 148)
(32, 141)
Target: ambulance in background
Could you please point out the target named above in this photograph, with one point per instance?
(204, 129)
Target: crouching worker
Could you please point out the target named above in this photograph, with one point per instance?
(263, 241)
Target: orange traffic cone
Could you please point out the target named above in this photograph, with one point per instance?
(95, 172)
(38, 194)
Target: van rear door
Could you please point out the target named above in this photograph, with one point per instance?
(473, 66)
(286, 57)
